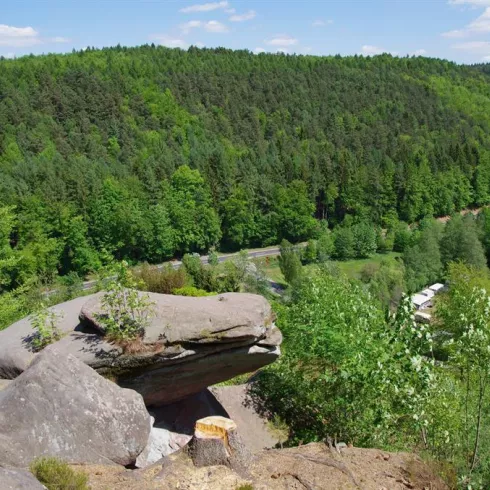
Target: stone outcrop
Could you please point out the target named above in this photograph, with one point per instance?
(191, 343)
(60, 407)
(15, 479)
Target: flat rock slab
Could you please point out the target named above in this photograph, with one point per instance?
(190, 344)
(228, 317)
(62, 408)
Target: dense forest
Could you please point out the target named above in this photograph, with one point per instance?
(147, 153)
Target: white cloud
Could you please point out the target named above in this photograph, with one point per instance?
(18, 36)
(243, 17)
(282, 41)
(9, 56)
(188, 26)
(456, 33)
(215, 26)
(230, 11)
(321, 23)
(369, 50)
(170, 42)
(259, 50)
(210, 26)
(480, 25)
(419, 52)
(59, 39)
(204, 7)
(475, 48)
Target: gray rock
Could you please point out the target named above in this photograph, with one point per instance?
(229, 317)
(15, 479)
(161, 443)
(60, 407)
(191, 343)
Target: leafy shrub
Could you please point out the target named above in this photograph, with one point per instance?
(191, 291)
(45, 323)
(346, 371)
(163, 280)
(55, 474)
(290, 262)
(126, 310)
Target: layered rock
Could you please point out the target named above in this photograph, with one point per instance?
(60, 407)
(191, 343)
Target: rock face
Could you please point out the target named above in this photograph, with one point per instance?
(60, 407)
(190, 344)
(14, 479)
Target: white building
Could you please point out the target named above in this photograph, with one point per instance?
(428, 292)
(420, 301)
(437, 287)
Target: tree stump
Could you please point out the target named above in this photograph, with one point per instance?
(216, 442)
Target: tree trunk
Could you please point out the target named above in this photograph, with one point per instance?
(216, 442)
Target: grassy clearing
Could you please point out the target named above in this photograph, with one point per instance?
(351, 268)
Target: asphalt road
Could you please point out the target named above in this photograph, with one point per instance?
(253, 254)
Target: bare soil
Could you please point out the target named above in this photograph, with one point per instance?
(313, 466)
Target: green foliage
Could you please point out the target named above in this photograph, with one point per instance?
(162, 280)
(364, 239)
(213, 257)
(55, 474)
(290, 262)
(126, 312)
(309, 254)
(460, 242)
(45, 324)
(423, 258)
(346, 371)
(325, 246)
(191, 291)
(465, 314)
(344, 243)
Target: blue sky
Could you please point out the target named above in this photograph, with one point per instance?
(458, 30)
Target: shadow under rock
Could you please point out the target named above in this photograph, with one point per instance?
(182, 416)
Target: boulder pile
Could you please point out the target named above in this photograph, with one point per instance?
(191, 343)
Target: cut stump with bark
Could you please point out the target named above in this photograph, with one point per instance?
(216, 442)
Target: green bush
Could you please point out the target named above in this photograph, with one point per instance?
(163, 280)
(55, 474)
(126, 311)
(45, 323)
(191, 291)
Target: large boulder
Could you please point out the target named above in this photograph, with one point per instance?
(15, 479)
(60, 407)
(191, 343)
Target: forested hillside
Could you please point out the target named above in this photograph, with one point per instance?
(146, 153)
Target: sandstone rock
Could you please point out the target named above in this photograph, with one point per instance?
(191, 343)
(60, 407)
(15, 479)
(161, 443)
(229, 317)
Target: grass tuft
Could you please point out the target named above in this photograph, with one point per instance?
(55, 474)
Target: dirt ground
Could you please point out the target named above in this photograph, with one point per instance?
(310, 467)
